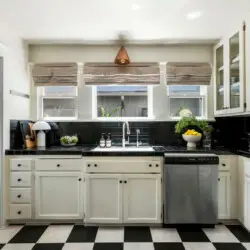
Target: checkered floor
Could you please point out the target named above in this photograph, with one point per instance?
(78, 237)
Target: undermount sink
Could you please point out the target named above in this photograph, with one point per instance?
(126, 149)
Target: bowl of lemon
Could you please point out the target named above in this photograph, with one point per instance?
(191, 136)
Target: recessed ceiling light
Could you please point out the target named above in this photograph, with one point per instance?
(135, 6)
(194, 15)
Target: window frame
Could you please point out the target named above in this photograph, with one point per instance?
(41, 96)
(95, 113)
(202, 95)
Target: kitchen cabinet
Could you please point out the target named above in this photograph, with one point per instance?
(58, 195)
(142, 198)
(123, 198)
(247, 203)
(247, 58)
(103, 198)
(229, 74)
(224, 195)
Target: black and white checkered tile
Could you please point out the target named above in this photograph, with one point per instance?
(78, 237)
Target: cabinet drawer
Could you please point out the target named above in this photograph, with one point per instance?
(20, 211)
(224, 163)
(20, 164)
(59, 164)
(20, 195)
(247, 169)
(20, 179)
(123, 166)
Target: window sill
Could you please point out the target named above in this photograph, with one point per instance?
(59, 119)
(177, 118)
(112, 119)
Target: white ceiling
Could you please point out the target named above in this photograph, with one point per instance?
(79, 20)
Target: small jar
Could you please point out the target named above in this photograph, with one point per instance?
(108, 141)
(102, 141)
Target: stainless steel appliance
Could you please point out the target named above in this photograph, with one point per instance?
(190, 188)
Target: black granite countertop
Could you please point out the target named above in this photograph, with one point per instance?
(85, 150)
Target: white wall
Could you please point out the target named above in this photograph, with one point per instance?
(137, 53)
(14, 55)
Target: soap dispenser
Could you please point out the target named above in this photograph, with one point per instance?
(102, 141)
(108, 141)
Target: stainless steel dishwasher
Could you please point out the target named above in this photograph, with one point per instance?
(190, 188)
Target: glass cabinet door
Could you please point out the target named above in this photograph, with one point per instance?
(234, 71)
(220, 87)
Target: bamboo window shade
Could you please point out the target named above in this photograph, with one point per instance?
(110, 74)
(55, 74)
(188, 73)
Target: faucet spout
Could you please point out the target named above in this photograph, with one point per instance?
(125, 124)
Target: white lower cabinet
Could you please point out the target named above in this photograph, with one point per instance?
(103, 198)
(142, 198)
(123, 198)
(224, 195)
(58, 195)
(247, 203)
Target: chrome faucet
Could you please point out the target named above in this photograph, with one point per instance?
(138, 143)
(124, 142)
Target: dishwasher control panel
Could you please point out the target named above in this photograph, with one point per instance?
(191, 159)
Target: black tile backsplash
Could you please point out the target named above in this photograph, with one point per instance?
(229, 132)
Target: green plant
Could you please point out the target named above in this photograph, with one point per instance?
(192, 121)
(113, 111)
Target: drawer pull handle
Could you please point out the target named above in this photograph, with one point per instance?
(58, 165)
(19, 196)
(125, 182)
(218, 179)
(89, 165)
(157, 165)
(19, 212)
(95, 165)
(223, 164)
(80, 179)
(19, 179)
(120, 181)
(150, 165)
(19, 165)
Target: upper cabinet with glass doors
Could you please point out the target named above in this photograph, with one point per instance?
(230, 74)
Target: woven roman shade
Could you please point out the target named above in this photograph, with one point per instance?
(55, 74)
(111, 74)
(188, 73)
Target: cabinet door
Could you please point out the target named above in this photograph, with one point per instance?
(103, 198)
(142, 198)
(247, 203)
(58, 195)
(224, 195)
(236, 83)
(241, 191)
(219, 80)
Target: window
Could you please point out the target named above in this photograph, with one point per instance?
(58, 102)
(122, 101)
(187, 96)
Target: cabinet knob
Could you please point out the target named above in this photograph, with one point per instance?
(19, 179)
(19, 212)
(89, 165)
(95, 165)
(58, 165)
(125, 182)
(120, 181)
(19, 165)
(150, 165)
(157, 165)
(223, 164)
(80, 179)
(19, 196)
(218, 179)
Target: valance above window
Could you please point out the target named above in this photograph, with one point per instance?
(132, 74)
(188, 73)
(55, 74)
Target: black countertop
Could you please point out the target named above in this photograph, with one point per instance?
(86, 151)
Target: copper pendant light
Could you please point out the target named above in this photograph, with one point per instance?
(122, 57)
